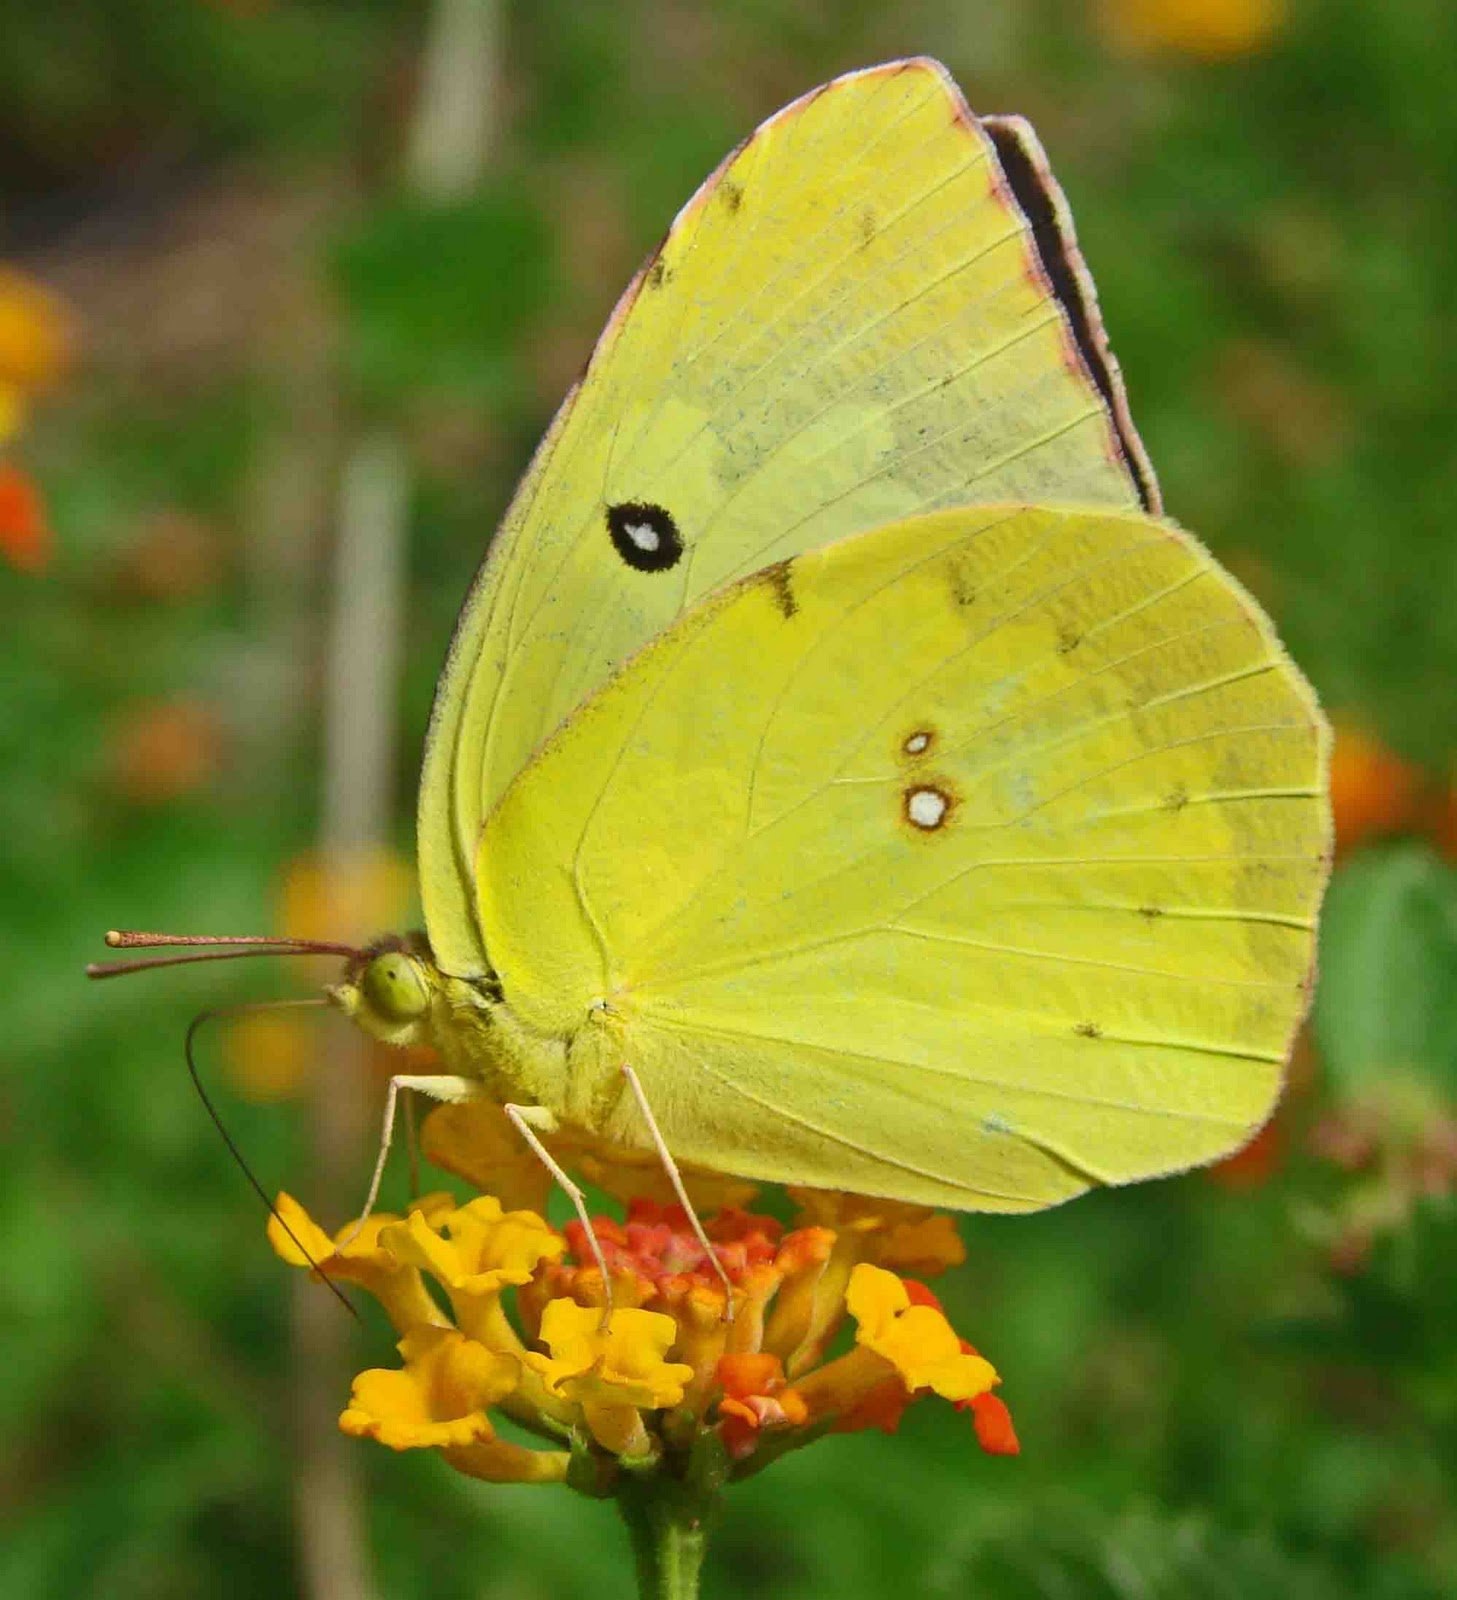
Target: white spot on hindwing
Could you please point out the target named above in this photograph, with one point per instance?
(926, 808)
(643, 534)
(917, 744)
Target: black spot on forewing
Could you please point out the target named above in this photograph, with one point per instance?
(658, 274)
(1088, 1030)
(781, 585)
(1177, 798)
(645, 536)
(732, 195)
(868, 226)
(1151, 913)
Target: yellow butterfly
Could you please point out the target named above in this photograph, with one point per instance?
(835, 737)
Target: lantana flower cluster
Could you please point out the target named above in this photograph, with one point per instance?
(35, 351)
(825, 1326)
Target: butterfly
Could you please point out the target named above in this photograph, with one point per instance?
(836, 738)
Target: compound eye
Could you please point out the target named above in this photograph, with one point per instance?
(395, 987)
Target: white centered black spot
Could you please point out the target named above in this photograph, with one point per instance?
(645, 536)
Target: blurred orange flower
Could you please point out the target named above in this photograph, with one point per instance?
(347, 899)
(25, 535)
(1441, 816)
(35, 350)
(1255, 1164)
(173, 555)
(1373, 791)
(36, 344)
(165, 750)
(1207, 30)
(267, 1055)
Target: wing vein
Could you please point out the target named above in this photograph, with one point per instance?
(738, 1035)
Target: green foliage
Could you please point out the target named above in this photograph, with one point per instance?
(438, 297)
(85, 85)
(1405, 1305)
(1387, 1001)
(1141, 1554)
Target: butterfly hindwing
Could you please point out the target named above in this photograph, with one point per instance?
(973, 859)
(855, 319)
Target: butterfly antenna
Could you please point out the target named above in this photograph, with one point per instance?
(233, 1150)
(220, 947)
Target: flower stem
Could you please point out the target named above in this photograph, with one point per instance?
(668, 1524)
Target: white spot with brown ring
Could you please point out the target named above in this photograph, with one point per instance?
(918, 743)
(926, 808)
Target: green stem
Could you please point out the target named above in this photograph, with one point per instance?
(668, 1524)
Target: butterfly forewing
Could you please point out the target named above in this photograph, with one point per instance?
(849, 323)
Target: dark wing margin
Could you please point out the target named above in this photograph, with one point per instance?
(1041, 202)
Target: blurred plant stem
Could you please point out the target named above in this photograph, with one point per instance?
(287, 507)
(445, 151)
(450, 136)
(363, 659)
(359, 738)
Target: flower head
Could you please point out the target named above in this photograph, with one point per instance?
(724, 1353)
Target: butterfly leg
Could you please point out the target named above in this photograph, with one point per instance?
(412, 1146)
(676, 1179)
(522, 1118)
(439, 1086)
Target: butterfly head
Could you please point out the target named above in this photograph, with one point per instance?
(390, 988)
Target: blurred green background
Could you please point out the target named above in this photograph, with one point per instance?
(236, 273)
